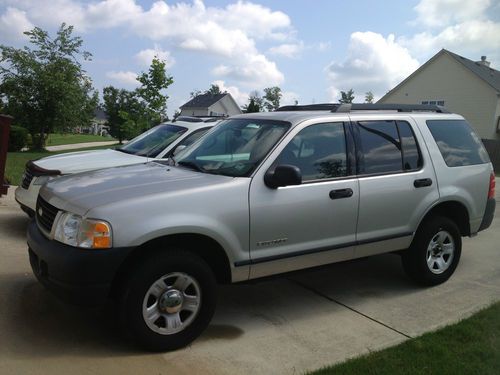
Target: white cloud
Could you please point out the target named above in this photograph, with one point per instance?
(145, 56)
(256, 71)
(440, 13)
(240, 97)
(290, 50)
(127, 79)
(373, 63)
(226, 32)
(13, 23)
(462, 26)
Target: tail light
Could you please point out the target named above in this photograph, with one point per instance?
(491, 191)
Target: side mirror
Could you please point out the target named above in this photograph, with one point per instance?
(283, 175)
(179, 149)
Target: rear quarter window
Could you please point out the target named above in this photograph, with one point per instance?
(458, 143)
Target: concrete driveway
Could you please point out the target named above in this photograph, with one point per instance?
(282, 326)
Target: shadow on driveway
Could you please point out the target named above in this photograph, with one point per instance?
(36, 324)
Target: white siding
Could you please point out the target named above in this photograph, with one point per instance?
(463, 92)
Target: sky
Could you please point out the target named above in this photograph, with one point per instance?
(311, 49)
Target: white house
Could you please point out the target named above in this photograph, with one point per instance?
(204, 105)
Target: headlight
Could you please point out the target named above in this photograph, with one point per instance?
(76, 231)
(42, 180)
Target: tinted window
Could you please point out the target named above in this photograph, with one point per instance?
(154, 141)
(457, 142)
(380, 147)
(412, 158)
(190, 139)
(234, 148)
(319, 151)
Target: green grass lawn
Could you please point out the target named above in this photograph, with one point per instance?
(16, 161)
(471, 346)
(67, 139)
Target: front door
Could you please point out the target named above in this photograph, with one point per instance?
(314, 223)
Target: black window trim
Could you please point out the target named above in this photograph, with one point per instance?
(360, 156)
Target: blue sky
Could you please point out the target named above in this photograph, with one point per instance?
(311, 49)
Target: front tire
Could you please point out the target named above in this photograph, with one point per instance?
(434, 253)
(169, 300)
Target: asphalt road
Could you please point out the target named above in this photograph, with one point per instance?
(281, 326)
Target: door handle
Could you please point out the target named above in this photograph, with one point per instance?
(422, 182)
(341, 193)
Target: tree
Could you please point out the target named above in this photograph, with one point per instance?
(44, 86)
(126, 113)
(152, 84)
(369, 97)
(252, 107)
(272, 97)
(347, 97)
(255, 103)
(214, 89)
(195, 93)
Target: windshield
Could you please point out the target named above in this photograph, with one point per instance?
(234, 147)
(154, 141)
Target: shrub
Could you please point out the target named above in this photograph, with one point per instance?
(18, 138)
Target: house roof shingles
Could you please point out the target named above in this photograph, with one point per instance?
(487, 74)
(203, 100)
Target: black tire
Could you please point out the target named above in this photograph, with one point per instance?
(414, 259)
(144, 276)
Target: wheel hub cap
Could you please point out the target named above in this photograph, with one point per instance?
(171, 301)
(440, 252)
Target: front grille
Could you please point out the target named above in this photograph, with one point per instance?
(27, 177)
(45, 214)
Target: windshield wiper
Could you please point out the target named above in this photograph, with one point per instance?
(191, 164)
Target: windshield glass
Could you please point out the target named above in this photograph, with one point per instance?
(234, 147)
(154, 141)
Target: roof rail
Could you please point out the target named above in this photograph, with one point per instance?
(349, 107)
(309, 107)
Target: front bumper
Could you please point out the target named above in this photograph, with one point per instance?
(79, 276)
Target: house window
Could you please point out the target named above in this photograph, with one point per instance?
(433, 102)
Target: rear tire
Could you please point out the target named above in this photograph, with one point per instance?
(169, 300)
(434, 253)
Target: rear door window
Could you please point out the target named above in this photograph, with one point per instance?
(458, 143)
(387, 147)
(380, 147)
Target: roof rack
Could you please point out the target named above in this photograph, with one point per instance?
(309, 107)
(349, 107)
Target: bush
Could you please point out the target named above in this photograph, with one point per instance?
(18, 138)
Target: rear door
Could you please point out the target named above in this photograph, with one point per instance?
(397, 183)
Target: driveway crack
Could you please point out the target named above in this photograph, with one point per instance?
(307, 287)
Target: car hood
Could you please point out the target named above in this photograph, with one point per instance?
(81, 192)
(75, 162)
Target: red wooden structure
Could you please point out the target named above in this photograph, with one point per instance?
(4, 145)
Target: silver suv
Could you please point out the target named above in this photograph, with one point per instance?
(263, 194)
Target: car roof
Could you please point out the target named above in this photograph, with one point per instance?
(296, 117)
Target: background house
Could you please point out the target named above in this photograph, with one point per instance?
(204, 105)
(470, 88)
